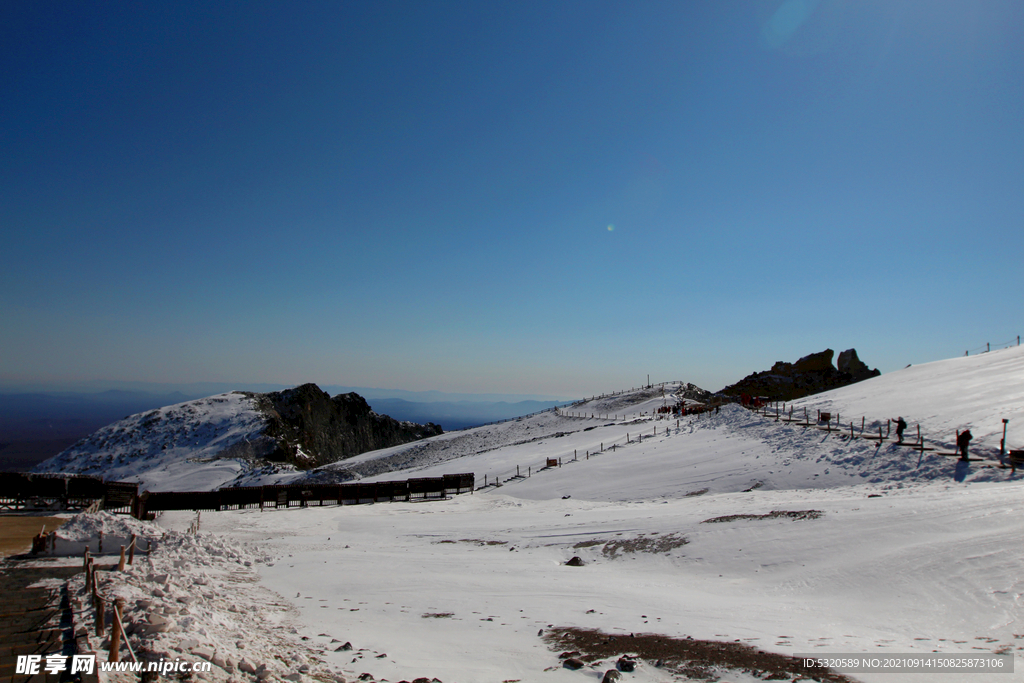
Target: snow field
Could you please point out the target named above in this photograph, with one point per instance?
(459, 589)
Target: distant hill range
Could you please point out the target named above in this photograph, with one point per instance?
(303, 427)
(811, 374)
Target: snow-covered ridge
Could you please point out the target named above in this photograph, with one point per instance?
(195, 445)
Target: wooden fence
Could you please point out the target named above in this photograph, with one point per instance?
(21, 490)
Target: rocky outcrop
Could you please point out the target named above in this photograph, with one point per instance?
(855, 367)
(313, 429)
(693, 393)
(809, 375)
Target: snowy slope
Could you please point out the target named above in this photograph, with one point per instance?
(729, 451)
(975, 392)
(193, 446)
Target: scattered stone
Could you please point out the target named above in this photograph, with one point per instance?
(567, 655)
(610, 676)
(572, 663)
(246, 666)
(575, 562)
(626, 664)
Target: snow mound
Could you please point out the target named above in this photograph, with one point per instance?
(87, 526)
(196, 598)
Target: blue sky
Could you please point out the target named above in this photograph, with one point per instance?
(551, 198)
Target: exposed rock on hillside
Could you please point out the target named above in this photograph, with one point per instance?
(694, 393)
(312, 429)
(811, 374)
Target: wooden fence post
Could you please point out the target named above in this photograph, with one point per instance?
(115, 635)
(120, 562)
(100, 615)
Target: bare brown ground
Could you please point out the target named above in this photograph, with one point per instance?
(16, 532)
(694, 659)
(774, 514)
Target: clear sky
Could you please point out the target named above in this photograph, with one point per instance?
(494, 196)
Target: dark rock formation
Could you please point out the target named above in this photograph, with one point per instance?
(809, 375)
(849, 363)
(313, 429)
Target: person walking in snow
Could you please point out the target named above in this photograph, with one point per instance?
(962, 442)
(901, 424)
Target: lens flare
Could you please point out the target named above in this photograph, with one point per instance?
(611, 228)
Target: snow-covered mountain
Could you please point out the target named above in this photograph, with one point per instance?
(195, 445)
(232, 438)
(714, 533)
(221, 440)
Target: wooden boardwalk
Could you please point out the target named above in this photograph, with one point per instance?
(35, 621)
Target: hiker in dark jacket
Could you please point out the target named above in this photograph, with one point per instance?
(962, 442)
(901, 424)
